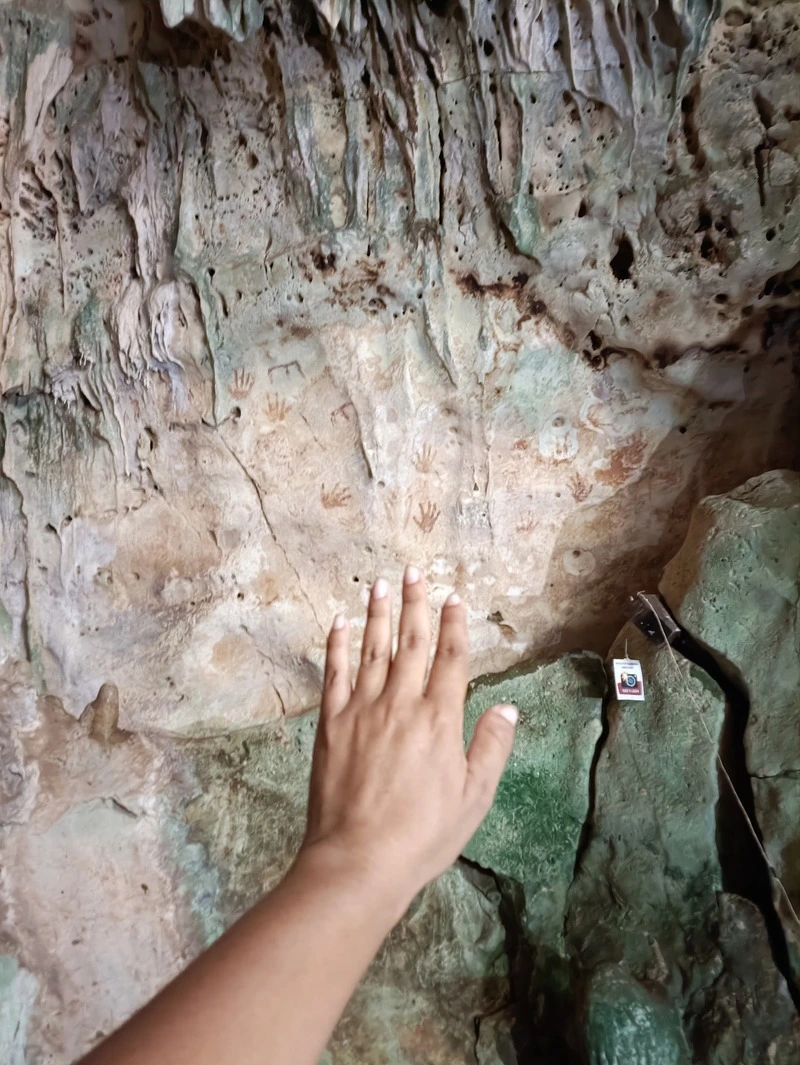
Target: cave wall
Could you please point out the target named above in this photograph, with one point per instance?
(283, 305)
(291, 294)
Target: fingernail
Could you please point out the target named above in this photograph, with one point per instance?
(411, 575)
(452, 599)
(380, 588)
(510, 713)
(339, 621)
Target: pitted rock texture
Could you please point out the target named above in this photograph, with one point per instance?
(292, 294)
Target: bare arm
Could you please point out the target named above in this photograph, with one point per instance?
(393, 801)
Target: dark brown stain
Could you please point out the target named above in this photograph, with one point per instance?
(529, 305)
(325, 263)
(471, 286)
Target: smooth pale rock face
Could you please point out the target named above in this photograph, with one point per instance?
(17, 994)
(291, 295)
(735, 585)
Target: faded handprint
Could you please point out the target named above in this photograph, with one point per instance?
(429, 514)
(276, 407)
(423, 460)
(242, 384)
(579, 487)
(337, 496)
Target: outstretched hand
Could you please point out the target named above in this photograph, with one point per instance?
(393, 792)
(393, 800)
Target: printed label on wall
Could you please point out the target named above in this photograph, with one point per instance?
(628, 679)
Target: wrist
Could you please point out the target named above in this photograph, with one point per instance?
(374, 890)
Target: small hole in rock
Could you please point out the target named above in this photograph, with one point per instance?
(623, 261)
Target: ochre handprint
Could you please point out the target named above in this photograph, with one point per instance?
(429, 514)
(242, 384)
(276, 407)
(338, 496)
(423, 460)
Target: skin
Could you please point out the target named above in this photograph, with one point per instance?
(394, 798)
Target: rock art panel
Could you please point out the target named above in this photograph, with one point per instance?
(291, 294)
(594, 916)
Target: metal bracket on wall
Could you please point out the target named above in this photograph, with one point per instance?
(650, 615)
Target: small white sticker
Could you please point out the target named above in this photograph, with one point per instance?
(628, 679)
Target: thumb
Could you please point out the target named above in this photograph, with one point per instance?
(488, 752)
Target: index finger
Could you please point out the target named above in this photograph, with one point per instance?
(447, 684)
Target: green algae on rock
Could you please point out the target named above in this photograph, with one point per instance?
(624, 1023)
(648, 878)
(531, 833)
(735, 586)
(441, 968)
(531, 836)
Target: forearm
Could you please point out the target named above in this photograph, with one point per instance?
(393, 799)
(270, 991)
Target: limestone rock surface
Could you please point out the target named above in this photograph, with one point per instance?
(671, 966)
(140, 850)
(532, 835)
(601, 912)
(293, 293)
(648, 878)
(747, 1015)
(735, 585)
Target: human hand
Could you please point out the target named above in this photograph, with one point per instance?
(393, 794)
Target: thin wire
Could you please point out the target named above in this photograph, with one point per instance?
(773, 875)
